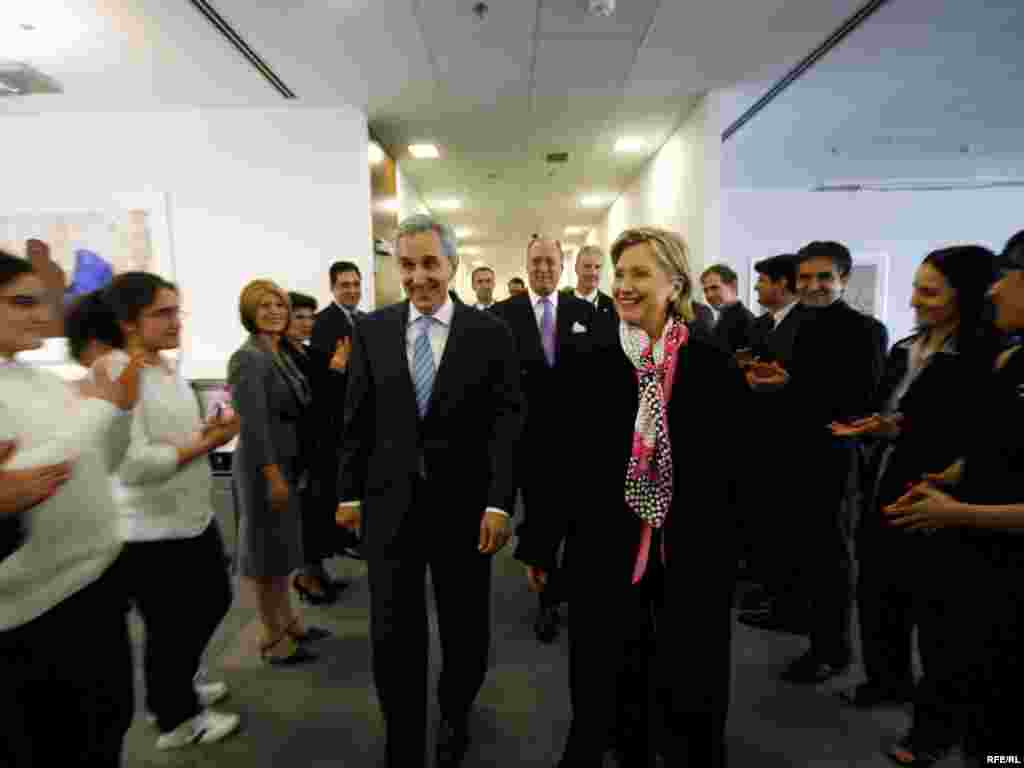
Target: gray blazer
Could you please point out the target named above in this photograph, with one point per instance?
(268, 410)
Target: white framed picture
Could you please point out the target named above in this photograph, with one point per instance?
(92, 241)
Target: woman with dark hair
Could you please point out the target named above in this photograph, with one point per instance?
(981, 499)
(905, 579)
(656, 526)
(65, 657)
(271, 396)
(162, 489)
(91, 328)
(320, 533)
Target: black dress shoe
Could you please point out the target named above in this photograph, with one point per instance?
(774, 622)
(452, 743)
(546, 626)
(869, 695)
(811, 670)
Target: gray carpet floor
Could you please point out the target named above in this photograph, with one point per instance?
(325, 714)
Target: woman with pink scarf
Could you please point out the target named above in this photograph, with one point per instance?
(653, 538)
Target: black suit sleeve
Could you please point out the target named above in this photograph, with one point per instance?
(509, 410)
(358, 431)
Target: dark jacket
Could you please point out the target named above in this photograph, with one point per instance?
(733, 328)
(466, 443)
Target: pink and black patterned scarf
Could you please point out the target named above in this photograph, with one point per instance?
(649, 474)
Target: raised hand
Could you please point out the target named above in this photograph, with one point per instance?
(342, 352)
(124, 392)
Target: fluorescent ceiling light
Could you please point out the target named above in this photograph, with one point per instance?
(463, 232)
(376, 153)
(424, 151)
(630, 144)
(390, 205)
(592, 201)
(469, 250)
(451, 204)
(575, 230)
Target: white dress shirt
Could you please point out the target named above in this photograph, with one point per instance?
(780, 314)
(538, 309)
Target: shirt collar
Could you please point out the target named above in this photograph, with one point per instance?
(443, 315)
(781, 314)
(348, 312)
(590, 297)
(536, 297)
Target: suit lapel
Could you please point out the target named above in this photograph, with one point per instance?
(398, 336)
(445, 369)
(564, 325)
(529, 321)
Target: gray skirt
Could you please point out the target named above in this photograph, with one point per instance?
(269, 542)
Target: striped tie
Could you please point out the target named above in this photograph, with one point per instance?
(423, 365)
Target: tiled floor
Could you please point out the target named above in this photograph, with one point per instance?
(325, 714)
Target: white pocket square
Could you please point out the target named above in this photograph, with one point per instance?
(579, 328)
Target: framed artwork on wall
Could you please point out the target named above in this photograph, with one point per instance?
(92, 242)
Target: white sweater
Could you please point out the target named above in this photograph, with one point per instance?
(158, 500)
(72, 536)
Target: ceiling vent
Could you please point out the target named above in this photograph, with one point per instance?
(558, 157)
(22, 80)
(919, 185)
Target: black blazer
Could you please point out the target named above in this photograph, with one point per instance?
(466, 443)
(704, 317)
(544, 388)
(733, 327)
(606, 306)
(707, 406)
(330, 325)
(776, 344)
(837, 365)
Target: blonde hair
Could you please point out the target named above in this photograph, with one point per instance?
(252, 295)
(673, 257)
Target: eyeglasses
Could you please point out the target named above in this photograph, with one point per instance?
(166, 315)
(23, 300)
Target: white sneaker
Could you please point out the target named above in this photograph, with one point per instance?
(208, 693)
(207, 727)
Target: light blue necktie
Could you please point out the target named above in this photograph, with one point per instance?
(423, 365)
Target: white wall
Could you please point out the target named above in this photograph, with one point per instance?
(251, 193)
(904, 225)
(678, 189)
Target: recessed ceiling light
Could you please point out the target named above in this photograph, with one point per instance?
(390, 205)
(592, 201)
(27, 27)
(575, 230)
(630, 144)
(451, 204)
(463, 232)
(376, 153)
(424, 151)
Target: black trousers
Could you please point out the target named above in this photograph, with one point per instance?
(905, 582)
(538, 502)
(824, 521)
(461, 577)
(66, 682)
(659, 681)
(181, 589)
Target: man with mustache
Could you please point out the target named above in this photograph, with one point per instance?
(837, 363)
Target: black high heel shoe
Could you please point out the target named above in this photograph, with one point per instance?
(326, 597)
(299, 654)
(311, 635)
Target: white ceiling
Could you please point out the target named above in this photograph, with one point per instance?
(539, 76)
(899, 99)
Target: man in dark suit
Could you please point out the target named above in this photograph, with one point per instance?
(333, 326)
(334, 322)
(589, 264)
(732, 329)
(551, 331)
(432, 419)
(837, 364)
(483, 286)
(777, 605)
(703, 317)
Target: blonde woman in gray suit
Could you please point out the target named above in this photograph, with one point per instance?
(270, 394)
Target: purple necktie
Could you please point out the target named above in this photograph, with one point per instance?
(547, 332)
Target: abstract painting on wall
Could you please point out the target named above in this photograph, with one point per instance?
(91, 245)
